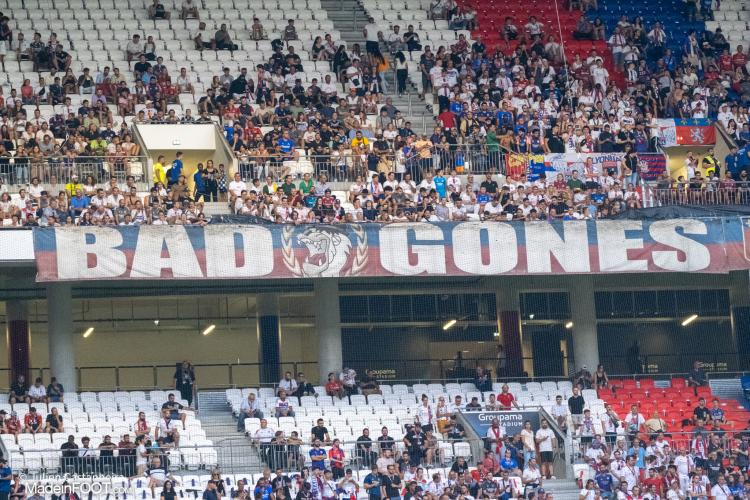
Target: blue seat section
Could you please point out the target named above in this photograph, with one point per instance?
(668, 12)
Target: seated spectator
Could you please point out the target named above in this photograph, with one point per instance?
(13, 424)
(157, 11)
(583, 379)
(304, 388)
(189, 10)
(250, 408)
(600, 378)
(348, 379)
(368, 384)
(37, 392)
(284, 406)
(320, 433)
(134, 49)
(701, 412)
(176, 410)
(32, 422)
(222, 39)
(287, 384)
(19, 391)
(166, 430)
(157, 475)
(334, 387)
(54, 422)
(474, 404)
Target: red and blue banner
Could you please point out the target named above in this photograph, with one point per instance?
(588, 165)
(687, 132)
(224, 251)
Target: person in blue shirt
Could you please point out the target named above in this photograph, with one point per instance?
(508, 462)
(605, 481)
(6, 475)
(176, 170)
(79, 203)
(286, 146)
(441, 184)
(318, 456)
(731, 161)
(638, 452)
(263, 490)
(199, 178)
(483, 196)
(372, 483)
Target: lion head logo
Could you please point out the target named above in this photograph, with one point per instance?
(328, 252)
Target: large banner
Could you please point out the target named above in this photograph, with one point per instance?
(688, 132)
(715, 245)
(513, 421)
(588, 165)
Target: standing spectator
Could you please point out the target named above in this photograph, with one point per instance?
(546, 441)
(506, 399)
(336, 457)
(495, 437)
(372, 483)
(697, 377)
(6, 473)
(482, 380)
(184, 381)
(575, 405)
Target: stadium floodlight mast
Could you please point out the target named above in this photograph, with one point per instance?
(689, 319)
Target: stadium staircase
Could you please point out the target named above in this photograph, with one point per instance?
(235, 453)
(349, 17)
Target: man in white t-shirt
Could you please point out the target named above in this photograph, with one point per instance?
(370, 33)
(167, 429)
(37, 392)
(134, 49)
(545, 440)
(284, 406)
(237, 186)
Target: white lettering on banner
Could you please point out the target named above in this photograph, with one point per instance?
(223, 261)
(395, 250)
(181, 259)
(697, 256)
(614, 245)
(73, 251)
(467, 247)
(571, 250)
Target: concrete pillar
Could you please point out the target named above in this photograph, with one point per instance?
(328, 324)
(583, 315)
(62, 358)
(269, 337)
(508, 308)
(18, 338)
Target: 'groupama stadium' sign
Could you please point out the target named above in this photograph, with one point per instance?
(223, 251)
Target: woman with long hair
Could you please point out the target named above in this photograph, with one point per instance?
(402, 70)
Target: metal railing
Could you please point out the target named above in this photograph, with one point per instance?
(710, 193)
(346, 167)
(37, 459)
(57, 171)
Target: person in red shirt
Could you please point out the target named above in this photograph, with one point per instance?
(334, 387)
(725, 62)
(336, 456)
(739, 58)
(32, 422)
(447, 119)
(506, 399)
(490, 462)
